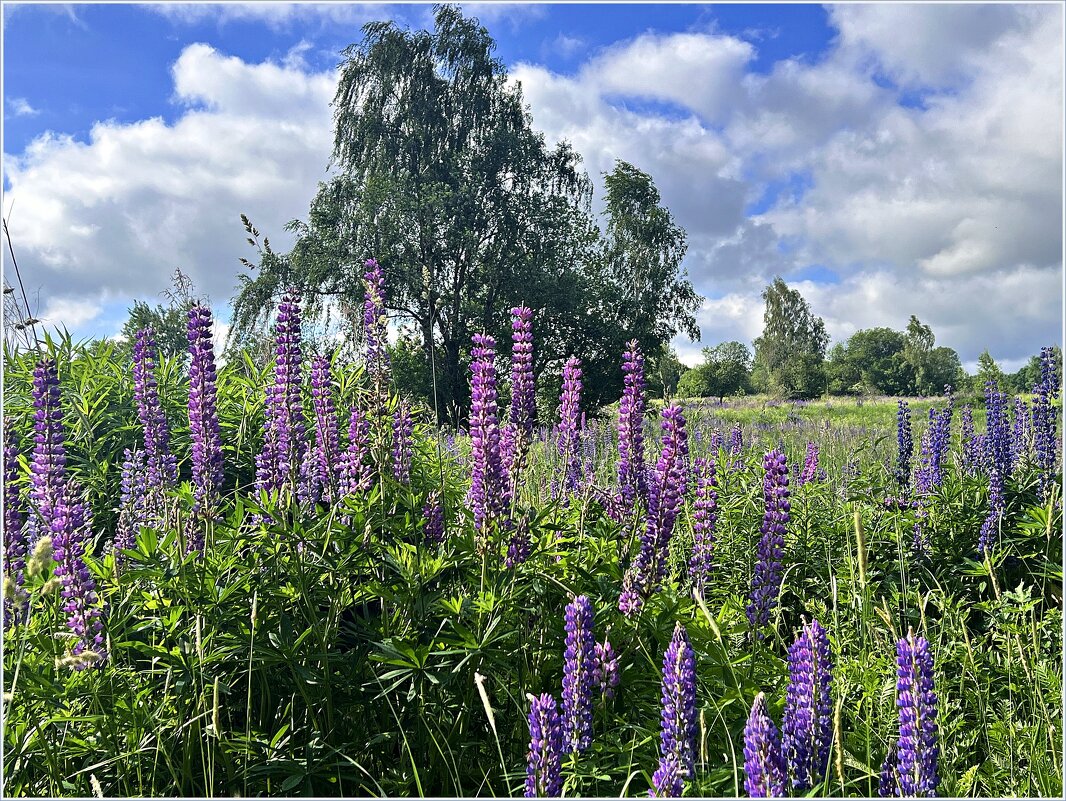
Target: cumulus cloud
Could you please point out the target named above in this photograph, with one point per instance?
(923, 170)
(20, 107)
(110, 218)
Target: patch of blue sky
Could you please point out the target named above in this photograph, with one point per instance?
(789, 189)
(816, 273)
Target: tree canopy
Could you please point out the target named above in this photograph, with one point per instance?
(442, 178)
(791, 350)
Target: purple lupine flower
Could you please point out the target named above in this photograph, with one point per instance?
(133, 507)
(677, 739)
(807, 726)
(736, 445)
(356, 472)
(161, 465)
(904, 443)
(810, 464)
(544, 767)
(997, 438)
(665, 495)
(1045, 422)
(606, 673)
(1020, 432)
(632, 481)
(518, 433)
(487, 496)
(401, 443)
(579, 659)
(520, 545)
(888, 784)
(998, 459)
(71, 529)
(278, 465)
(375, 326)
(704, 519)
(766, 580)
(15, 542)
(935, 441)
(972, 446)
(764, 767)
(433, 514)
(48, 467)
(716, 441)
(916, 701)
(668, 781)
(324, 458)
(204, 432)
(569, 427)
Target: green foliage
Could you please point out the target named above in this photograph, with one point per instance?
(441, 177)
(871, 362)
(336, 653)
(790, 353)
(726, 370)
(169, 322)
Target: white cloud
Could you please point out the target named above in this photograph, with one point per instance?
(941, 199)
(110, 218)
(71, 312)
(276, 15)
(20, 107)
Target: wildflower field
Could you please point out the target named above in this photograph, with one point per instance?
(283, 579)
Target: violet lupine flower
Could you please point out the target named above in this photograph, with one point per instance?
(704, 519)
(544, 767)
(916, 701)
(766, 581)
(998, 459)
(677, 740)
(1020, 433)
(764, 767)
(401, 443)
(375, 325)
(325, 458)
(518, 433)
(807, 726)
(71, 529)
(972, 447)
(736, 445)
(162, 470)
(278, 465)
(579, 660)
(810, 464)
(632, 481)
(905, 444)
(433, 513)
(204, 431)
(15, 543)
(668, 781)
(1045, 422)
(569, 427)
(520, 545)
(487, 496)
(606, 673)
(48, 467)
(888, 783)
(665, 494)
(716, 441)
(935, 442)
(356, 472)
(133, 507)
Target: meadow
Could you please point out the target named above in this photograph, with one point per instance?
(284, 579)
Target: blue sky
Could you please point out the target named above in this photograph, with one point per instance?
(884, 175)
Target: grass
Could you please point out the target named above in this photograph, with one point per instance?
(334, 652)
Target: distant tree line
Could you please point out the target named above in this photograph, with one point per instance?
(790, 360)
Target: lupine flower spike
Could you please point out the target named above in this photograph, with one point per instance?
(704, 519)
(544, 773)
(578, 664)
(487, 496)
(763, 765)
(807, 725)
(766, 581)
(568, 431)
(916, 701)
(677, 739)
(204, 432)
(632, 482)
